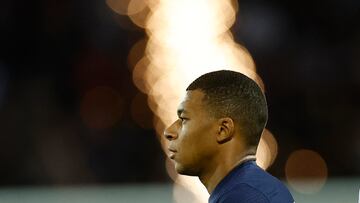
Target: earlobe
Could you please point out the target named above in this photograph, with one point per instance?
(225, 130)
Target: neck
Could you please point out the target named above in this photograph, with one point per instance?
(213, 177)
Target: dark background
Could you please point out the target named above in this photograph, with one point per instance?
(52, 53)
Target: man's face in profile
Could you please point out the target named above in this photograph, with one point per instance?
(192, 141)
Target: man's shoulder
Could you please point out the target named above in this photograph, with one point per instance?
(243, 193)
(263, 182)
(249, 182)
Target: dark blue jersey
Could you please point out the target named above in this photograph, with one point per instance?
(248, 183)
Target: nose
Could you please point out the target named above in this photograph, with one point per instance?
(170, 132)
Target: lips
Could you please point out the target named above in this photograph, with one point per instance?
(172, 153)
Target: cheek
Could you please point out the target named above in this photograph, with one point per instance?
(196, 140)
(189, 135)
(188, 141)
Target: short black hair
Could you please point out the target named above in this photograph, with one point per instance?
(232, 94)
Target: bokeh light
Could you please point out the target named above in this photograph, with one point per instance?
(136, 10)
(306, 171)
(140, 18)
(136, 6)
(136, 53)
(139, 70)
(126, 7)
(267, 150)
(119, 6)
(186, 40)
(101, 107)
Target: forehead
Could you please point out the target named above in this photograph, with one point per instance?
(192, 101)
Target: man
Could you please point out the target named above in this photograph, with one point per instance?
(216, 136)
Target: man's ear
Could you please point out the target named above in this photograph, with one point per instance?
(226, 130)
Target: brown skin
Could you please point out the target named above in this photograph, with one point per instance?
(204, 146)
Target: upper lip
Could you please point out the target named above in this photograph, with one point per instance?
(172, 150)
(171, 153)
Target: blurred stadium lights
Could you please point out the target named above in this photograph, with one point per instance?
(185, 40)
(136, 10)
(267, 150)
(136, 53)
(306, 171)
(126, 7)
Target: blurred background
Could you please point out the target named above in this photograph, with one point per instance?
(72, 118)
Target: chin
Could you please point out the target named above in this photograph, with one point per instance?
(182, 170)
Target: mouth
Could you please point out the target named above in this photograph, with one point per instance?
(172, 153)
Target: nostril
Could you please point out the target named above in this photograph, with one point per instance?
(168, 136)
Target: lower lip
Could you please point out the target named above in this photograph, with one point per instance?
(172, 155)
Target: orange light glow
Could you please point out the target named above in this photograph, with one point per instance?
(141, 68)
(119, 6)
(136, 53)
(267, 150)
(136, 6)
(187, 39)
(306, 171)
(140, 18)
(126, 7)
